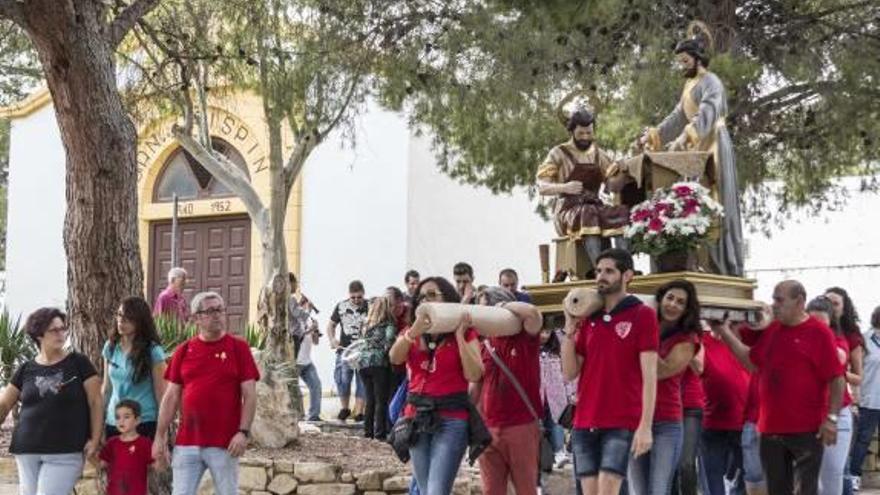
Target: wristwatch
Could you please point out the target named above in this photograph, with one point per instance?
(832, 417)
(247, 433)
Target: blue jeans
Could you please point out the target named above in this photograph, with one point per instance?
(651, 474)
(437, 456)
(343, 376)
(869, 420)
(309, 375)
(834, 457)
(188, 465)
(722, 459)
(753, 473)
(554, 433)
(48, 473)
(597, 449)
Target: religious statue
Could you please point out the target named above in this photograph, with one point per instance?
(697, 124)
(574, 172)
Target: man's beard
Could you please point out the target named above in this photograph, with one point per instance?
(582, 144)
(612, 288)
(690, 72)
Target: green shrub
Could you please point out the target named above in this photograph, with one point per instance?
(172, 332)
(16, 347)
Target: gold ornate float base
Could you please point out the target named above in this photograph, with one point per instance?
(719, 294)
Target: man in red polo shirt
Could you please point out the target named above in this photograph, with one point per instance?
(615, 353)
(513, 454)
(212, 379)
(798, 364)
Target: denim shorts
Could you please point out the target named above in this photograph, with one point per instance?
(752, 471)
(597, 450)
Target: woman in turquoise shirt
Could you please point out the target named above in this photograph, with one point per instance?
(134, 366)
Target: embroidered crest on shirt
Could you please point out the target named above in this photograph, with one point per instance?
(622, 328)
(131, 449)
(221, 356)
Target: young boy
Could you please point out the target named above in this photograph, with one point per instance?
(127, 457)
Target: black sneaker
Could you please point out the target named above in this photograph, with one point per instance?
(314, 418)
(343, 414)
(358, 418)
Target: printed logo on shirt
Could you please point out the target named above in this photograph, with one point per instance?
(51, 384)
(623, 328)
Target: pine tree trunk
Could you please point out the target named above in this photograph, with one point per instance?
(100, 225)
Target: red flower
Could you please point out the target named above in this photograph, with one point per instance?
(662, 208)
(691, 206)
(682, 191)
(641, 215)
(655, 224)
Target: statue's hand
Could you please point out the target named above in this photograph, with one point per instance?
(573, 187)
(680, 143)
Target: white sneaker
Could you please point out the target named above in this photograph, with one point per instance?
(856, 483)
(561, 459)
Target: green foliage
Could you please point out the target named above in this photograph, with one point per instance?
(172, 332)
(801, 80)
(16, 347)
(255, 337)
(19, 69)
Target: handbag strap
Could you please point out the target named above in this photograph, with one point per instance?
(513, 380)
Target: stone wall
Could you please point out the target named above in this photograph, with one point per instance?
(278, 477)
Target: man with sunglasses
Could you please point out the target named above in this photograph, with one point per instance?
(212, 380)
(350, 315)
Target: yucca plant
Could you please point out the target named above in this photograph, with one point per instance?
(172, 332)
(16, 347)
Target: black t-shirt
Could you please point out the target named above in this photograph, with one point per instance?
(54, 407)
(352, 317)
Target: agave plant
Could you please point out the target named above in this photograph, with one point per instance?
(16, 347)
(172, 332)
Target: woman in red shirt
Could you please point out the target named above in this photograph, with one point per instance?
(834, 457)
(679, 315)
(439, 368)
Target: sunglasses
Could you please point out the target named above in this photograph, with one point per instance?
(429, 294)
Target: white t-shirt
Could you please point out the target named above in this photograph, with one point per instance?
(305, 352)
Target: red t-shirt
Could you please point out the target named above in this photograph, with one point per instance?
(669, 405)
(502, 405)
(726, 383)
(796, 363)
(854, 340)
(610, 384)
(692, 394)
(444, 377)
(843, 344)
(127, 465)
(211, 374)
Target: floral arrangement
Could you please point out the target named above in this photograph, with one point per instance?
(676, 218)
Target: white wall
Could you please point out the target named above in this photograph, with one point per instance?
(36, 267)
(836, 248)
(451, 222)
(354, 219)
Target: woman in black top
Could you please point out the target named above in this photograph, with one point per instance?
(61, 409)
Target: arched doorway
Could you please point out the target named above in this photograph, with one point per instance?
(215, 251)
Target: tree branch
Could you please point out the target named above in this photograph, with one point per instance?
(321, 134)
(126, 19)
(223, 170)
(301, 151)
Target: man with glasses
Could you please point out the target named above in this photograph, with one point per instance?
(212, 380)
(350, 314)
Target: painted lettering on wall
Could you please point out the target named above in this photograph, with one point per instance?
(223, 125)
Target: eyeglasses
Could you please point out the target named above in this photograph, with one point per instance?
(211, 311)
(58, 330)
